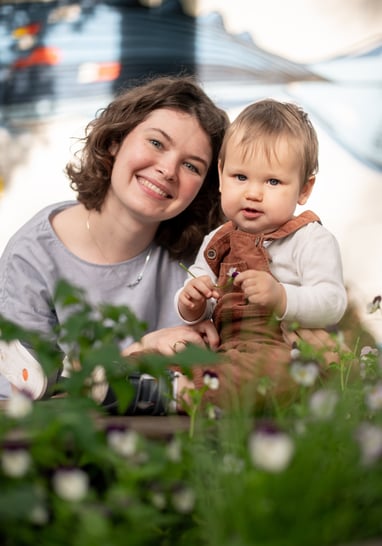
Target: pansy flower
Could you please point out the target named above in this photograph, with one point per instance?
(71, 484)
(295, 352)
(174, 449)
(19, 405)
(183, 498)
(211, 380)
(15, 460)
(322, 403)
(305, 373)
(374, 397)
(123, 440)
(369, 437)
(39, 514)
(270, 448)
(157, 496)
(368, 362)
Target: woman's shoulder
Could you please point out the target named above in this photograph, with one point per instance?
(37, 228)
(43, 215)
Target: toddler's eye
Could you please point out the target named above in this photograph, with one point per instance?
(241, 177)
(273, 182)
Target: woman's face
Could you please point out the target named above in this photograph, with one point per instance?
(160, 166)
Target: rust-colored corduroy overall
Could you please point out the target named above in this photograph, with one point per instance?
(251, 338)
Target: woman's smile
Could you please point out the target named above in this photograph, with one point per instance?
(153, 188)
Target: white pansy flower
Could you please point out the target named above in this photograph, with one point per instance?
(370, 440)
(19, 405)
(124, 442)
(374, 397)
(305, 373)
(211, 380)
(322, 403)
(39, 515)
(15, 462)
(368, 359)
(158, 499)
(270, 450)
(232, 272)
(183, 499)
(71, 484)
(295, 352)
(368, 351)
(174, 450)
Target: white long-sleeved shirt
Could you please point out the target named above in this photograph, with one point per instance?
(308, 264)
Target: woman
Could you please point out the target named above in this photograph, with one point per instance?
(147, 193)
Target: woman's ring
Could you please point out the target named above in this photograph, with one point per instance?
(177, 342)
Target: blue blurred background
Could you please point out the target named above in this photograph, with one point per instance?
(60, 61)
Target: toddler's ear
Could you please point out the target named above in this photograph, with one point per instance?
(220, 168)
(306, 190)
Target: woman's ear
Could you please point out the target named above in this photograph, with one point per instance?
(306, 190)
(113, 148)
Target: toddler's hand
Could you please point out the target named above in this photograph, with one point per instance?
(262, 288)
(193, 297)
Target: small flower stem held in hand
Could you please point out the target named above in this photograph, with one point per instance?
(232, 273)
(187, 270)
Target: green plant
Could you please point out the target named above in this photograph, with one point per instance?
(305, 474)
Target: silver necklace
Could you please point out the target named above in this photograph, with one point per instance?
(148, 255)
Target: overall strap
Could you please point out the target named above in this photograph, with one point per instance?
(220, 245)
(294, 224)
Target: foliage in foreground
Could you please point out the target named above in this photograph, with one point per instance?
(306, 474)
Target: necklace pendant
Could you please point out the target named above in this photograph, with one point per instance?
(148, 255)
(137, 281)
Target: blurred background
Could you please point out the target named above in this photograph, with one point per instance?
(61, 61)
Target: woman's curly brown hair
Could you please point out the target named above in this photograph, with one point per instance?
(90, 173)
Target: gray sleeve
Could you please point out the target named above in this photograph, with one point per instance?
(25, 297)
(5, 388)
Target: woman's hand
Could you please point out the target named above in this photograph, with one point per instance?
(169, 341)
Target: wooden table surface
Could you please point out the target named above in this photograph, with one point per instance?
(149, 426)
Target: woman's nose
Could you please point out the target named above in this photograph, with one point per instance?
(167, 167)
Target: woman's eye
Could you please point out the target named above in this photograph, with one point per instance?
(191, 167)
(273, 182)
(156, 143)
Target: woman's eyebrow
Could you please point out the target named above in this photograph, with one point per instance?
(170, 140)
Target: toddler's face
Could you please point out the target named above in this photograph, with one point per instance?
(261, 186)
